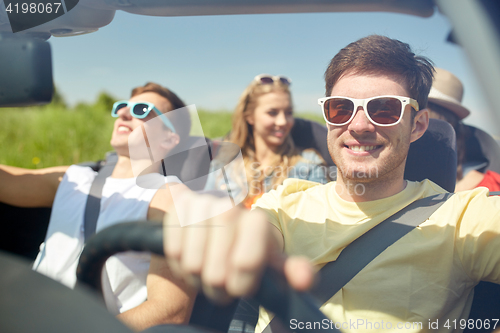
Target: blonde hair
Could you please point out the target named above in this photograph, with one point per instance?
(242, 135)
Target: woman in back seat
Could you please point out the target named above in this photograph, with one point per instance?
(261, 128)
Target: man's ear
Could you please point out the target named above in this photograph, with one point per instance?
(171, 140)
(420, 124)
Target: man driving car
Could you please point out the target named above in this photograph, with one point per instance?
(139, 293)
(375, 107)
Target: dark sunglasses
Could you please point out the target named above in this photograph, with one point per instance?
(380, 110)
(141, 110)
(270, 79)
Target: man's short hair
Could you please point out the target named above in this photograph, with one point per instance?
(382, 55)
(180, 120)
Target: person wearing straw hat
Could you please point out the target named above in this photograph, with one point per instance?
(445, 103)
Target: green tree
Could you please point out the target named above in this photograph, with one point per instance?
(105, 101)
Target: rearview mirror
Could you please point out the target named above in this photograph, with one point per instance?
(25, 71)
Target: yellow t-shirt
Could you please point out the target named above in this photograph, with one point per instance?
(423, 282)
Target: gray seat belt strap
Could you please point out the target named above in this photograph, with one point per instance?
(93, 205)
(336, 274)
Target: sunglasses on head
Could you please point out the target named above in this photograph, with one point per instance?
(270, 79)
(141, 110)
(380, 110)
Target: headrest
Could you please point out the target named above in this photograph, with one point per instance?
(434, 156)
(190, 161)
(481, 150)
(310, 134)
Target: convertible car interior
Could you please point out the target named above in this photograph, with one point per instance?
(31, 302)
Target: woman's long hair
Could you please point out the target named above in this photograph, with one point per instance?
(242, 135)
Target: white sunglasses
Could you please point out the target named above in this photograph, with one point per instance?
(270, 79)
(380, 110)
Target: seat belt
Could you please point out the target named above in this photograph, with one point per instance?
(336, 274)
(93, 205)
(104, 170)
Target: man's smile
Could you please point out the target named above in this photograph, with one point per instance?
(362, 148)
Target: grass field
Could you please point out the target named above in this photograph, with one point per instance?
(40, 137)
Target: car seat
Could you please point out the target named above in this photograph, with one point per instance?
(24, 229)
(482, 151)
(310, 134)
(434, 156)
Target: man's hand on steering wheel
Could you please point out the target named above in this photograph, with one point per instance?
(226, 254)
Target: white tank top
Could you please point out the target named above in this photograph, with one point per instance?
(124, 276)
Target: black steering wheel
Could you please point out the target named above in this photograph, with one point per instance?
(274, 293)
(31, 302)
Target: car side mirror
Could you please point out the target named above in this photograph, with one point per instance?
(25, 71)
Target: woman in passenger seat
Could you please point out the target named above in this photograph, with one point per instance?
(444, 103)
(261, 128)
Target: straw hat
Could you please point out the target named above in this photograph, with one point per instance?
(447, 91)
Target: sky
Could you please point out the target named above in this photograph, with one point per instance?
(209, 60)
